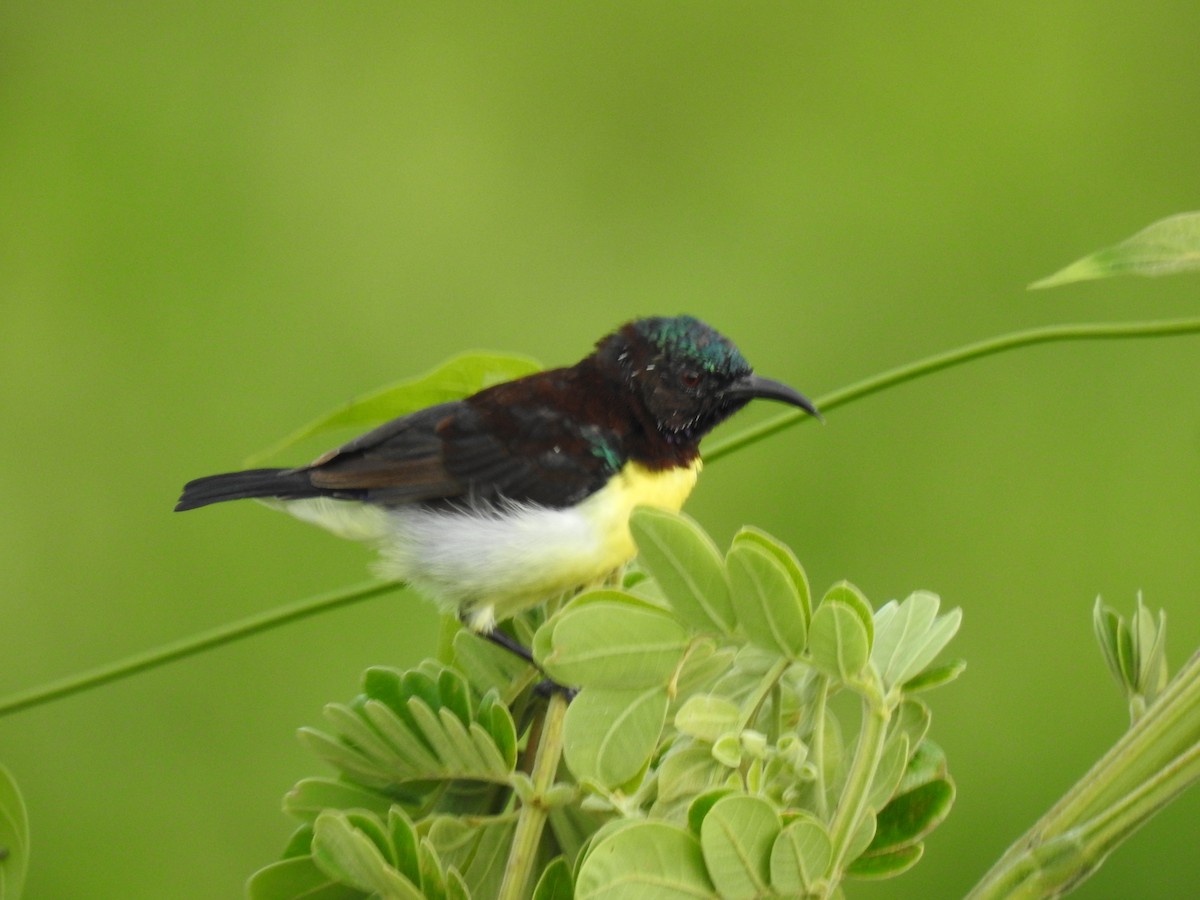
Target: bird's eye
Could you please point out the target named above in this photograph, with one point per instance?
(689, 378)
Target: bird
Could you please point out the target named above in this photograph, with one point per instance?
(522, 492)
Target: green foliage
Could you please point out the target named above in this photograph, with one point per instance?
(14, 838)
(703, 757)
(1135, 651)
(1166, 247)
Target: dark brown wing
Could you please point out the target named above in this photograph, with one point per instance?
(515, 446)
(526, 441)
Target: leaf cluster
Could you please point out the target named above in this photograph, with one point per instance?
(711, 750)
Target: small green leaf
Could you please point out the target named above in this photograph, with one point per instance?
(611, 734)
(477, 847)
(617, 642)
(14, 837)
(454, 379)
(935, 676)
(682, 558)
(912, 815)
(911, 717)
(889, 771)
(456, 887)
(298, 878)
(433, 880)
(727, 750)
(874, 866)
(783, 555)
(737, 836)
(344, 852)
(496, 719)
(928, 763)
(707, 717)
(839, 644)
(311, 796)
(645, 861)
(1168, 246)
(800, 856)
(686, 772)
(845, 593)
(555, 883)
(909, 635)
(406, 844)
(766, 601)
(1106, 624)
(702, 805)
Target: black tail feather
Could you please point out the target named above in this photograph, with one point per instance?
(287, 483)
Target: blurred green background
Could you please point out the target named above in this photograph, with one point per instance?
(220, 220)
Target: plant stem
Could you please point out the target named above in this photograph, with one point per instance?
(818, 745)
(754, 704)
(853, 801)
(937, 362)
(1148, 766)
(206, 640)
(534, 811)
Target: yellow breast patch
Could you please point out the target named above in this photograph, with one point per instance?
(608, 509)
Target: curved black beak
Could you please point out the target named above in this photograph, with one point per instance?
(755, 387)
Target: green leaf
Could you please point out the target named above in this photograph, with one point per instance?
(783, 555)
(839, 644)
(909, 635)
(1107, 625)
(737, 836)
(928, 763)
(394, 742)
(406, 844)
(682, 558)
(889, 771)
(686, 772)
(555, 883)
(766, 601)
(298, 878)
(1168, 246)
(912, 815)
(847, 594)
(617, 642)
(477, 848)
(800, 856)
(344, 852)
(311, 796)
(454, 379)
(702, 805)
(14, 837)
(886, 865)
(935, 676)
(707, 717)
(611, 734)
(645, 861)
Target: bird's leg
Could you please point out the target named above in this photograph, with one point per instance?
(547, 685)
(511, 644)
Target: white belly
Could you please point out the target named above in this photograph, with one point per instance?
(490, 564)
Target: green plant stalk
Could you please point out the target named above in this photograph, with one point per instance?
(531, 820)
(1150, 764)
(930, 364)
(1051, 868)
(185, 647)
(754, 704)
(853, 801)
(818, 745)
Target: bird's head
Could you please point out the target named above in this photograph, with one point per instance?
(688, 376)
